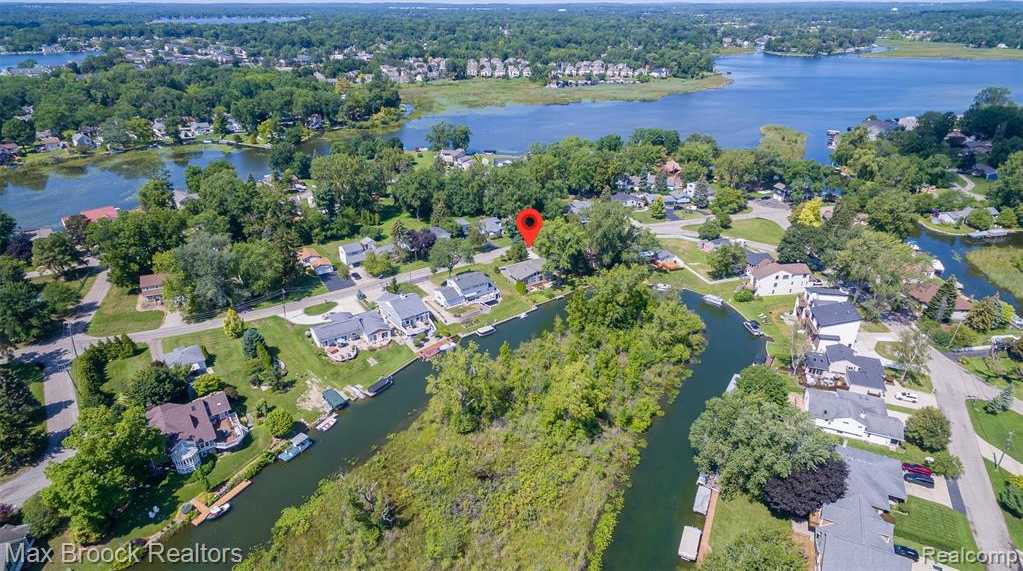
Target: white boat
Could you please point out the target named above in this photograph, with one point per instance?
(298, 445)
(485, 330)
(218, 511)
(327, 423)
(689, 547)
(713, 300)
(662, 287)
(523, 315)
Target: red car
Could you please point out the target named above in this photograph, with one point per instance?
(917, 469)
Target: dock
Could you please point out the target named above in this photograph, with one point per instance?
(688, 548)
(204, 510)
(702, 502)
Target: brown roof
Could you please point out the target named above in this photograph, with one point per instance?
(151, 281)
(192, 421)
(762, 270)
(925, 292)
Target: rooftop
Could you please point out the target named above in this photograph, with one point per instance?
(865, 409)
(187, 356)
(835, 313)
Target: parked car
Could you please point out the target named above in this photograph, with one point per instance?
(917, 469)
(355, 276)
(918, 479)
(907, 396)
(907, 552)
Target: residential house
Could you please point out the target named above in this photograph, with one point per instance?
(48, 143)
(954, 217)
(193, 430)
(840, 364)
(190, 356)
(450, 156)
(923, 293)
(491, 227)
(665, 260)
(406, 313)
(82, 141)
(528, 272)
(94, 214)
(850, 533)
(312, 260)
(463, 226)
(772, 278)
(354, 253)
(367, 329)
(194, 130)
(854, 415)
(827, 321)
(467, 287)
(711, 245)
(754, 259)
(151, 288)
(876, 128)
(628, 200)
(183, 196)
(987, 172)
(15, 544)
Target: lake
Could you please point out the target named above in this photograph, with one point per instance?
(50, 60)
(952, 250)
(808, 94)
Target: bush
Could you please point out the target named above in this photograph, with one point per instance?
(744, 295)
(7, 513)
(946, 464)
(208, 383)
(234, 326)
(41, 519)
(520, 288)
(929, 429)
(1011, 498)
(251, 340)
(279, 422)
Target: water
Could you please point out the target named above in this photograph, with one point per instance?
(952, 250)
(660, 501)
(808, 94)
(49, 60)
(359, 430)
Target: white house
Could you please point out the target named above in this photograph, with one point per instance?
(468, 287)
(854, 415)
(354, 253)
(861, 374)
(827, 321)
(343, 328)
(772, 278)
(406, 313)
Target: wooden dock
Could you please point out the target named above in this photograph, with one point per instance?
(708, 526)
(204, 510)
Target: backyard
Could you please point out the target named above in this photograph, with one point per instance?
(738, 514)
(117, 315)
(755, 230)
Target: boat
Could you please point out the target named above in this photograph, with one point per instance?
(702, 501)
(913, 245)
(523, 315)
(327, 423)
(485, 330)
(380, 386)
(713, 300)
(298, 445)
(662, 287)
(217, 511)
(832, 138)
(753, 326)
(689, 547)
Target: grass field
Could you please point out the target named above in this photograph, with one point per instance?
(996, 371)
(736, 515)
(120, 371)
(998, 264)
(320, 308)
(944, 228)
(117, 315)
(306, 364)
(923, 382)
(691, 254)
(981, 185)
(786, 142)
(995, 428)
(999, 478)
(922, 522)
(644, 217)
(438, 96)
(943, 50)
(756, 230)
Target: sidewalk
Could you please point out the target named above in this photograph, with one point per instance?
(994, 454)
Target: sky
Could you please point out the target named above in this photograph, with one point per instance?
(478, 2)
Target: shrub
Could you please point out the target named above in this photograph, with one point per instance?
(929, 429)
(251, 339)
(1011, 498)
(41, 519)
(7, 513)
(208, 383)
(279, 422)
(947, 464)
(805, 491)
(744, 295)
(520, 288)
(234, 326)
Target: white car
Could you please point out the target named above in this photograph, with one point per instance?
(907, 396)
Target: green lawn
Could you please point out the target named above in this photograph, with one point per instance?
(512, 302)
(999, 479)
(905, 453)
(998, 264)
(875, 327)
(117, 315)
(691, 254)
(320, 308)
(736, 515)
(981, 185)
(81, 279)
(756, 230)
(922, 522)
(995, 428)
(644, 217)
(923, 382)
(304, 361)
(942, 50)
(999, 371)
(120, 371)
(944, 228)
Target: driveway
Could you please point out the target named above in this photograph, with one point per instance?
(938, 494)
(334, 282)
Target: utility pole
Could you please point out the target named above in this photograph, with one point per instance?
(71, 336)
(1005, 448)
(284, 305)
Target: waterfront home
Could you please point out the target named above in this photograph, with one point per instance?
(876, 127)
(853, 415)
(772, 278)
(468, 287)
(207, 424)
(528, 272)
(581, 209)
(95, 214)
(15, 544)
(183, 196)
(190, 357)
(839, 364)
(954, 217)
(406, 313)
(367, 329)
(923, 293)
(49, 143)
(665, 260)
(754, 259)
(194, 130)
(451, 156)
(851, 533)
(311, 259)
(82, 141)
(827, 321)
(491, 227)
(151, 288)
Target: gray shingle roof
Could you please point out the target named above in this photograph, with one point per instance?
(519, 271)
(470, 281)
(871, 373)
(402, 307)
(754, 258)
(871, 411)
(834, 313)
(187, 356)
(11, 536)
(450, 295)
(826, 291)
(344, 324)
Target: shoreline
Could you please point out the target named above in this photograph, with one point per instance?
(913, 49)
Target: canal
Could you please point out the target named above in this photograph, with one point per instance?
(952, 250)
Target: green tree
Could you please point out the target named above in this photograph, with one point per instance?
(947, 464)
(516, 252)
(892, 211)
(1007, 218)
(986, 314)
(128, 243)
(562, 244)
(234, 325)
(444, 135)
(1008, 191)
(251, 340)
(208, 383)
(1001, 402)
(758, 549)
(747, 440)
(912, 351)
(943, 302)
(279, 422)
(18, 131)
(727, 261)
(710, 229)
(155, 385)
(729, 200)
(657, 209)
(156, 193)
(60, 298)
(980, 219)
(764, 381)
(20, 437)
(882, 265)
(611, 237)
(42, 520)
(55, 253)
(24, 315)
(379, 265)
(346, 181)
(449, 253)
(114, 456)
(1011, 498)
(929, 429)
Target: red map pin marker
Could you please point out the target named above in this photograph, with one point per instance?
(529, 223)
